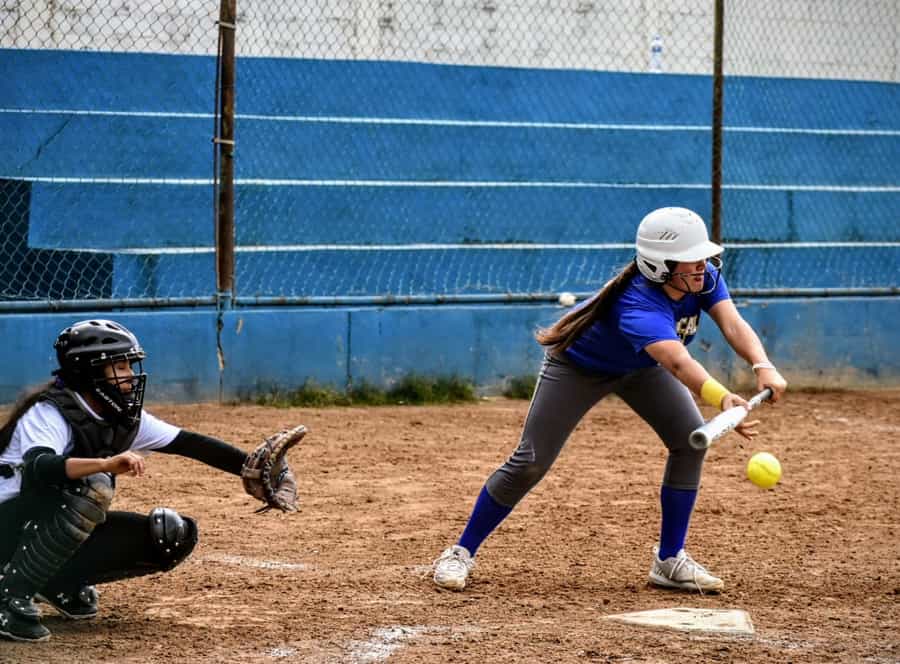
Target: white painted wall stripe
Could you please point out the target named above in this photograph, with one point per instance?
(92, 112)
(809, 245)
(602, 246)
(267, 182)
(447, 122)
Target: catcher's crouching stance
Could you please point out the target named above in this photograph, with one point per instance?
(60, 452)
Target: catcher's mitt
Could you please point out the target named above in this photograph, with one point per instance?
(266, 474)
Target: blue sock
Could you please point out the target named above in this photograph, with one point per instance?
(486, 515)
(677, 505)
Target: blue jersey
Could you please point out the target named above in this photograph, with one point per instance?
(643, 314)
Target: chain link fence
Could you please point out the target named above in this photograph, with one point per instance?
(458, 149)
(480, 149)
(107, 113)
(811, 177)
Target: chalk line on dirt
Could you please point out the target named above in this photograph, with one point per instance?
(242, 561)
(383, 643)
(281, 652)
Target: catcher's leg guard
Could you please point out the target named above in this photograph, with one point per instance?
(48, 542)
(45, 546)
(170, 538)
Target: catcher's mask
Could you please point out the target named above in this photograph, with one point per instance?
(671, 235)
(85, 350)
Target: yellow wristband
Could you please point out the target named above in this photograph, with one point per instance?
(713, 392)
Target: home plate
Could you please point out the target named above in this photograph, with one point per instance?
(721, 621)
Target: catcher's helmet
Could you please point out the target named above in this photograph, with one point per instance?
(668, 236)
(85, 348)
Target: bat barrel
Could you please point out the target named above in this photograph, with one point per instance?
(699, 438)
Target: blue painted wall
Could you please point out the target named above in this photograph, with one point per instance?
(159, 216)
(670, 149)
(475, 271)
(182, 345)
(828, 342)
(834, 342)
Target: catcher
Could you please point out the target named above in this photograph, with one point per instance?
(60, 452)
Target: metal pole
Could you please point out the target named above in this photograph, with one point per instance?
(37, 306)
(529, 298)
(225, 150)
(717, 123)
(224, 159)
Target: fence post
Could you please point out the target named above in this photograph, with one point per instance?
(717, 123)
(224, 174)
(225, 152)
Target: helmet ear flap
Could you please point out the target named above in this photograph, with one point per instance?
(653, 270)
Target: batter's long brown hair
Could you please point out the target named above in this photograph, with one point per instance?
(25, 402)
(567, 329)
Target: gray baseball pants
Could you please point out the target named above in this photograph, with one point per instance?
(563, 395)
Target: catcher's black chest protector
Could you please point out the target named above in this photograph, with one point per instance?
(92, 438)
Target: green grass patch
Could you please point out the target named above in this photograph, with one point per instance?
(420, 390)
(309, 394)
(413, 390)
(520, 387)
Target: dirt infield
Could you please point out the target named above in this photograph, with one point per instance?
(816, 561)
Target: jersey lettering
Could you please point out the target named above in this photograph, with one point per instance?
(687, 327)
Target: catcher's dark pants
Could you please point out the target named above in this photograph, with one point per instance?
(120, 547)
(563, 395)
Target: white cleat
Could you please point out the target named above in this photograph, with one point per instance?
(451, 569)
(683, 572)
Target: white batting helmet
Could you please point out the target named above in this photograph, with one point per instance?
(671, 234)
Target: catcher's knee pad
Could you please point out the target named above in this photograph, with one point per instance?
(174, 536)
(90, 498)
(48, 542)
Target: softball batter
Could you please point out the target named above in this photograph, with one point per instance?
(60, 451)
(630, 340)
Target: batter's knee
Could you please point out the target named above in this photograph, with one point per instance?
(513, 480)
(174, 536)
(530, 474)
(684, 468)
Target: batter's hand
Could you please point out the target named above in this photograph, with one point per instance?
(126, 462)
(731, 400)
(746, 428)
(771, 378)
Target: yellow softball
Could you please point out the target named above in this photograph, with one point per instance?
(764, 470)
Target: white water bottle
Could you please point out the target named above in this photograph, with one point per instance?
(656, 49)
